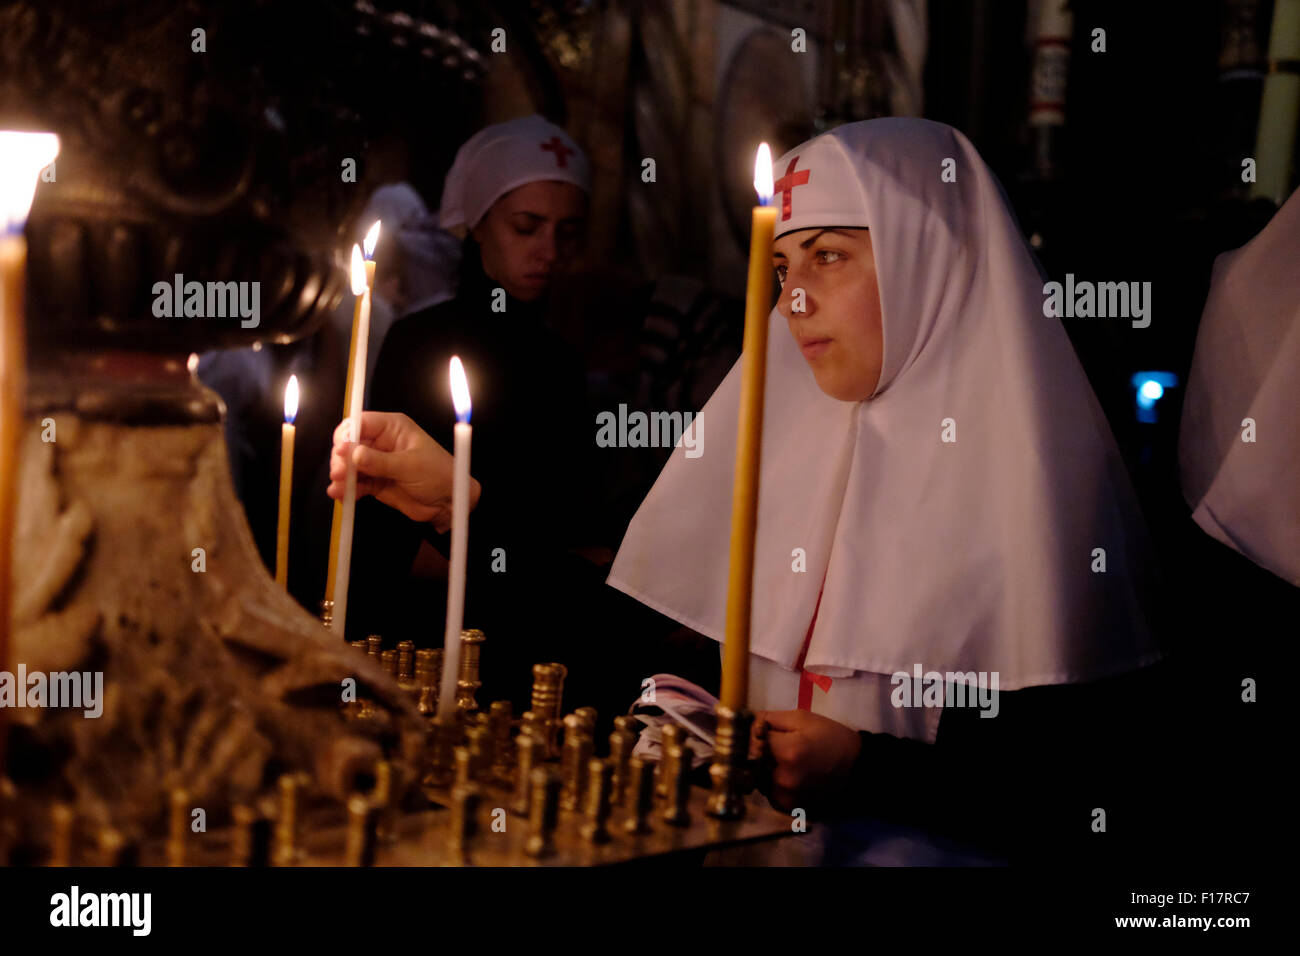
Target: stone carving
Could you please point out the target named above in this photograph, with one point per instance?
(214, 680)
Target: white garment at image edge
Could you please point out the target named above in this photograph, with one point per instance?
(1246, 494)
(978, 554)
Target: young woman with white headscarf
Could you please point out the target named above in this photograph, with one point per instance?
(517, 196)
(939, 491)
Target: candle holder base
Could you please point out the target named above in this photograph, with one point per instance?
(730, 761)
(725, 801)
(445, 735)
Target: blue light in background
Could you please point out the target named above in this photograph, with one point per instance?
(1150, 388)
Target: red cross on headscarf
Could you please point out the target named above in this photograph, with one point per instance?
(785, 186)
(556, 145)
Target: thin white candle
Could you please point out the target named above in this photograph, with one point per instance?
(459, 542)
(341, 573)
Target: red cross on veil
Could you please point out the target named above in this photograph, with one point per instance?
(785, 186)
(806, 680)
(556, 145)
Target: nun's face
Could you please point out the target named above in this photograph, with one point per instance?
(529, 233)
(835, 319)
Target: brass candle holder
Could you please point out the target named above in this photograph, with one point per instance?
(463, 775)
(575, 762)
(595, 827)
(588, 716)
(443, 740)
(673, 738)
(468, 683)
(428, 674)
(406, 669)
(362, 832)
(527, 751)
(547, 697)
(730, 759)
(544, 813)
(678, 785)
(640, 796)
(479, 737)
(621, 743)
(465, 800)
(499, 717)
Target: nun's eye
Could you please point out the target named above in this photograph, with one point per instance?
(780, 274)
(827, 256)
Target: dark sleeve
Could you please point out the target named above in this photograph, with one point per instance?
(385, 541)
(1023, 783)
(953, 786)
(489, 524)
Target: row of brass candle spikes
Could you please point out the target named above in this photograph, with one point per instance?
(466, 755)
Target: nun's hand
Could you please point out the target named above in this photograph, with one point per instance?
(808, 755)
(399, 464)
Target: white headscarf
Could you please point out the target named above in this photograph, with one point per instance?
(1247, 494)
(975, 555)
(503, 157)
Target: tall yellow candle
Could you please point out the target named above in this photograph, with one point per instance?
(336, 527)
(356, 394)
(13, 263)
(744, 496)
(286, 481)
(22, 157)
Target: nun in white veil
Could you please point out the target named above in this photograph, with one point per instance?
(1239, 443)
(940, 493)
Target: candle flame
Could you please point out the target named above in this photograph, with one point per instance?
(291, 399)
(372, 239)
(192, 363)
(358, 271)
(22, 157)
(459, 390)
(763, 174)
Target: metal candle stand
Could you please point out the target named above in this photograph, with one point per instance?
(496, 792)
